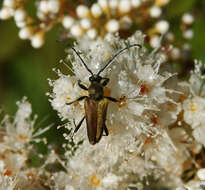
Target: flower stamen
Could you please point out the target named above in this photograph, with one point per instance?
(94, 180)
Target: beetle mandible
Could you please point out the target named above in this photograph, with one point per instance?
(96, 102)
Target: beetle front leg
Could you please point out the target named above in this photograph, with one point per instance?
(79, 99)
(105, 82)
(111, 99)
(82, 86)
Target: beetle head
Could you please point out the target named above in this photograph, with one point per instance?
(95, 78)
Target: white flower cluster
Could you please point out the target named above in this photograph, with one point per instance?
(157, 128)
(194, 105)
(16, 136)
(120, 15)
(87, 16)
(150, 131)
(80, 20)
(46, 12)
(7, 183)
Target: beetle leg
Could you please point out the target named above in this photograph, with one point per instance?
(105, 82)
(82, 86)
(111, 99)
(79, 124)
(106, 131)
(79, 99)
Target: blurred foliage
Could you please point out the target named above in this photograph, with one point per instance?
(24, 70)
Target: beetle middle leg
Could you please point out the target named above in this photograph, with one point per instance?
(111, 99)
(79, 99)
(106, 131)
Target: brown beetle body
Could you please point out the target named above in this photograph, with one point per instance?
(96, 103)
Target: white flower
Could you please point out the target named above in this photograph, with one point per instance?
(6, 13)
(201, 174)
(125, 22)
(85, 23)
(7, 183)
(155, 41)
(67, 22)
(113, 4)
(112, 25)
(162, 26)
(96, 10)
(188, 34)
(20, 131)
(188, 18)
(110, 180)
(76, 30)
(82, 11)
(37, 40)
(103, 3)
(15, 145)
(92, 33)
(136, 3)
(19, 15)
(53, 6)
(25, 33)
(155, 11)
(194, 111)
(124, 6)
(43, 6)
(9, 3)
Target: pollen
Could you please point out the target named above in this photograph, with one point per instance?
(154, 121)
(68, 98)
(148, 140)
(144, 89)
(30, 177)
(22, 137)
(193, 107)
(94, 180)
(107, 56)
(7, 173)
(182, 97)
(122, 101)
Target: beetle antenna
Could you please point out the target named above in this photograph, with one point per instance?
(68, 44)
(118, 53)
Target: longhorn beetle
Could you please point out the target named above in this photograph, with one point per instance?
(95, 103)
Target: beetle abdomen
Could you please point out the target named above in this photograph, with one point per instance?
(95, 113)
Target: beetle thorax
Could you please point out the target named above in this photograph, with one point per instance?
(95, 91)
